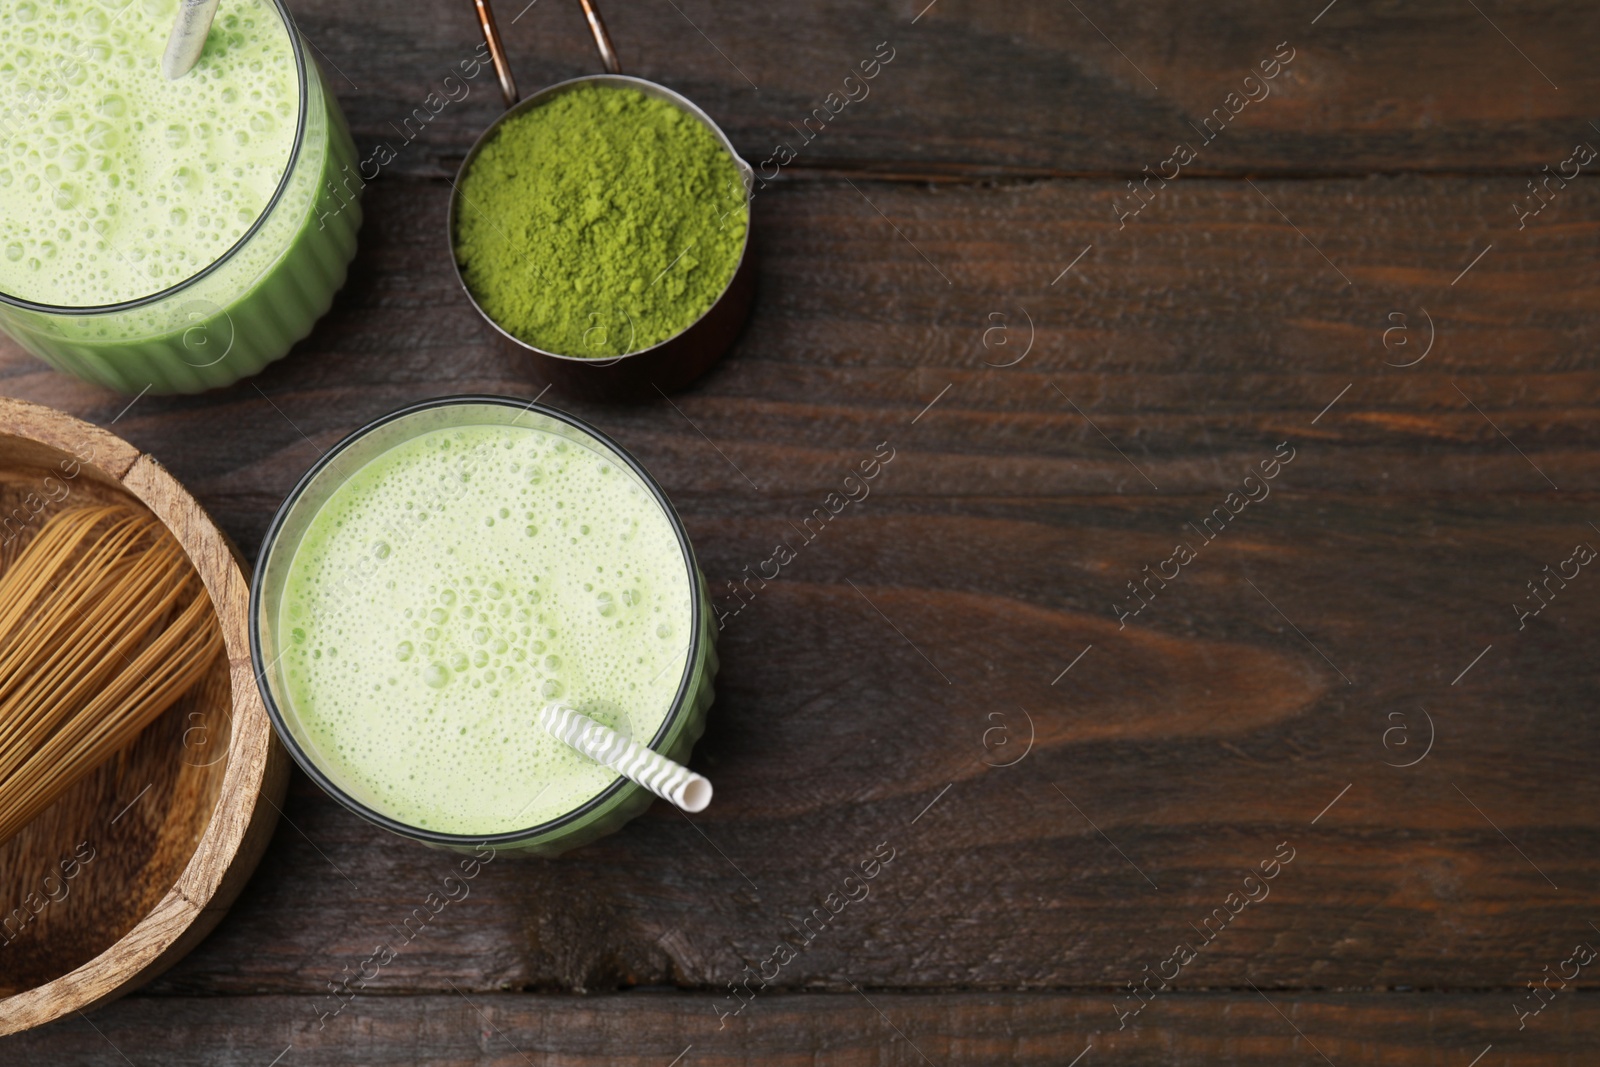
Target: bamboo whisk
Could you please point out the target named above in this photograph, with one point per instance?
(103, 625)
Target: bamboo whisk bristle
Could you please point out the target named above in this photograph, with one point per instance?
(104, 623)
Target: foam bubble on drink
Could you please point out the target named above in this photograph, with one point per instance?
(448, 591)
(114, 182)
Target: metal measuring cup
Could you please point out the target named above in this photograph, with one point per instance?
(680, 359)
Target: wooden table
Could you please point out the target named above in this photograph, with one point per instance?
(954, 670)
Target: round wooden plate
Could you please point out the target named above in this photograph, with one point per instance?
(129, 869)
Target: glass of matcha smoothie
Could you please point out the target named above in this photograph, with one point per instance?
(443, 574)
(169, 235)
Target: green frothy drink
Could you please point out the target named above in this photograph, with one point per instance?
(448, 589)
(121, 184)
(165, 234)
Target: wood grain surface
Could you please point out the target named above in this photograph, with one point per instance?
(1340, 277)
(1267, 1029)
(1030, 88)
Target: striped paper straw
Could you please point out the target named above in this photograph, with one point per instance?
(663, 777)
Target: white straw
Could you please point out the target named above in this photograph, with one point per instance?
(635, 762)
(188, 37)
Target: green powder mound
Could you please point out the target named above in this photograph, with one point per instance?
(600, 223)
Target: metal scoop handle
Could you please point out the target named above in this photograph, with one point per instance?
(502, 65)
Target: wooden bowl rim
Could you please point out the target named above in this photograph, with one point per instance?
(138, 954)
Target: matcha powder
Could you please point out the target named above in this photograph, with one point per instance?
(600, 223)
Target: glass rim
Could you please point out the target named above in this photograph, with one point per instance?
(298, 51)
(675, 713)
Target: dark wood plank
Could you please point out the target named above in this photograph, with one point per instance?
(1207, 326)
(1197, 739)
(650, 1029)
(1034, 88)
